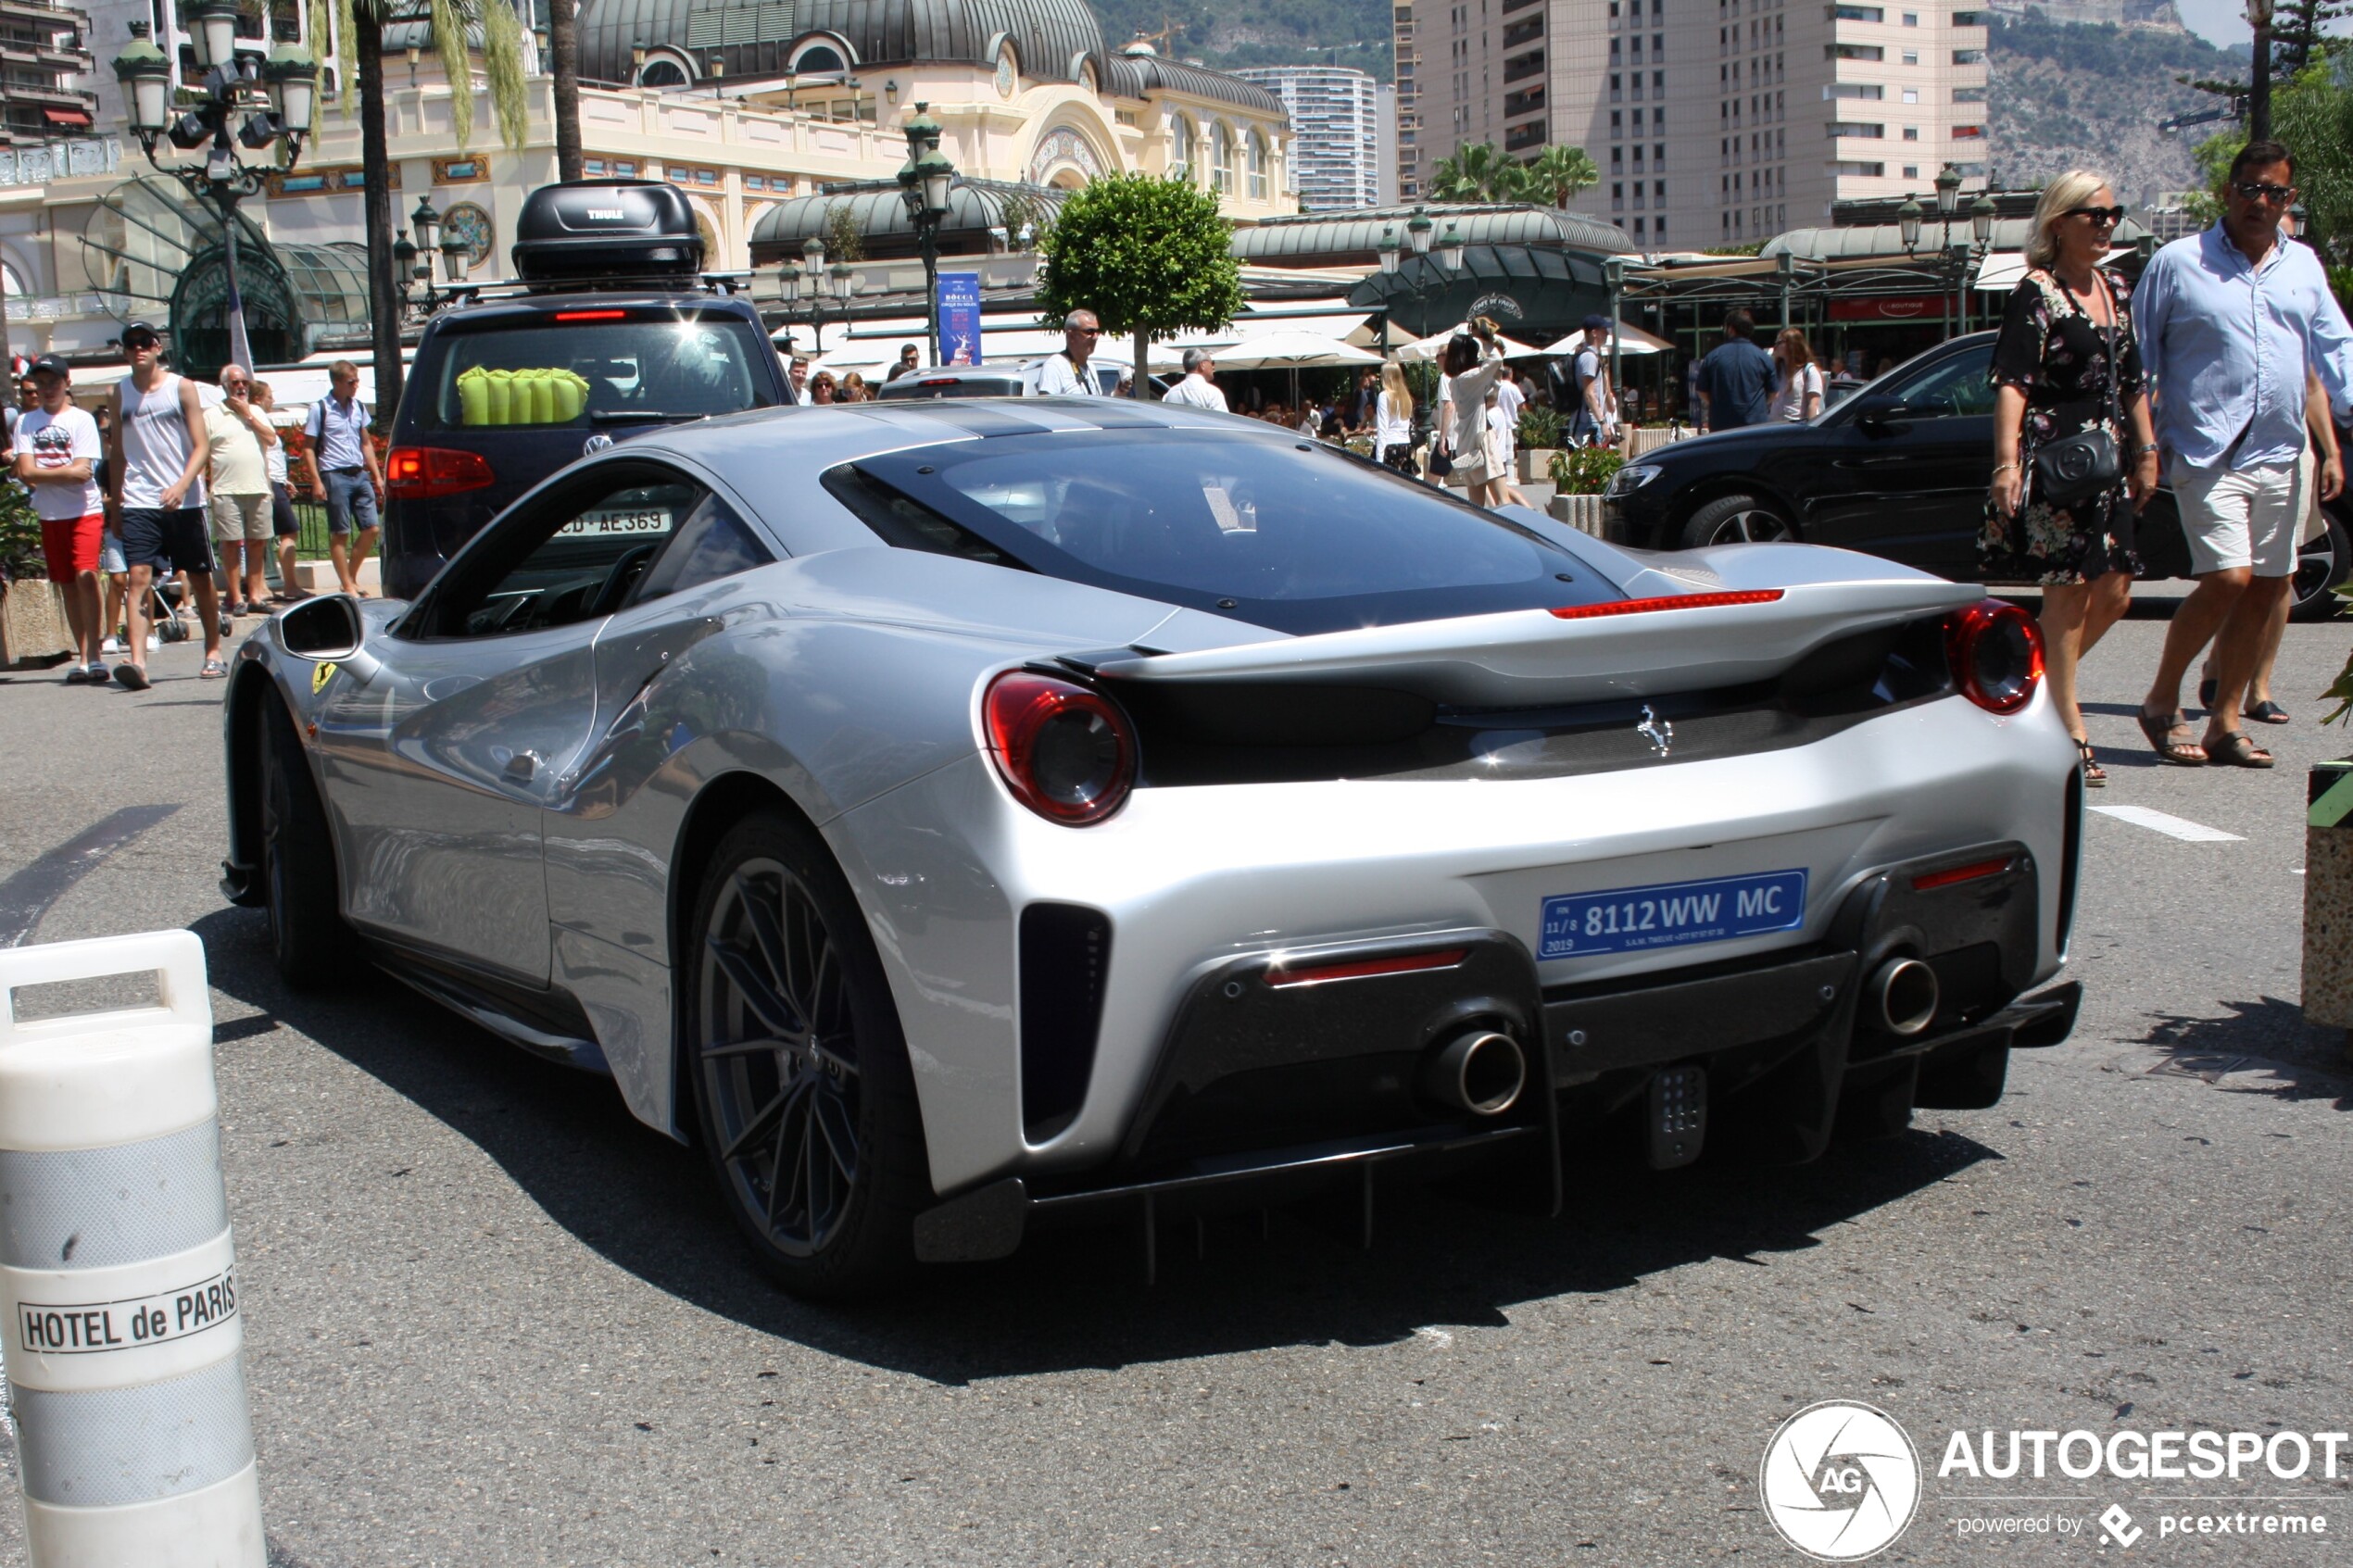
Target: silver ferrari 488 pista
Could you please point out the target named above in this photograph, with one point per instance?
(961, 817)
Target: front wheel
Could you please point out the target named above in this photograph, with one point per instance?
(804, 1098)
(306, 935)
(2321, 566)
(1737, 520)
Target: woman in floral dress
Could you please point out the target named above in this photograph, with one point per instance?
(2065, 363)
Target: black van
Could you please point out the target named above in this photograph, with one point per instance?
(611, 329)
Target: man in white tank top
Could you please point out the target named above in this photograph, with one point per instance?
(154, 490)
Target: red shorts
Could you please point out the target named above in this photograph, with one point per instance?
(72, 545)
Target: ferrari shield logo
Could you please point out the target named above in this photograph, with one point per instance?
(320, 676)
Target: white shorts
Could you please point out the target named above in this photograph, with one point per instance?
(2234, 517)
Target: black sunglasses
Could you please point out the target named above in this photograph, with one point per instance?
(2097, 214)
(142, 341)
(2256, 190)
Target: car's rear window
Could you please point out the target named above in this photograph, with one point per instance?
(1295, 535)
(584, 368)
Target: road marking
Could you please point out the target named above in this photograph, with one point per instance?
(26, 896)
(2172, 827)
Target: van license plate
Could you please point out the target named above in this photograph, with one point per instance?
(1669, 914)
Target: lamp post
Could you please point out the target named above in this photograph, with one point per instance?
(924, 180)
(253, 101)
(2258, 96)
(810, 277)
(1418, 232)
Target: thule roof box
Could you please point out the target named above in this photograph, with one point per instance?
(595, 234)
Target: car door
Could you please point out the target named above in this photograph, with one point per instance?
(1910, 463)
(441, 759)
(681, 599)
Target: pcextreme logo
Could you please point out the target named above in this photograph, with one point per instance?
(1841, 1481)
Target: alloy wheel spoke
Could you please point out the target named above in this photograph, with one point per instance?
(761, 922)
(841, 1139)
(829, 1054)
(763, 1120)
(806, 950)
(759, 996)
(748, 1047)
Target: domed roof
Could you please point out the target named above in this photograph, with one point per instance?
(1050, 36)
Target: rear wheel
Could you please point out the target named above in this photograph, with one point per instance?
(297, 861)
(2321, 566)
(1737, 520)
(805, 1100)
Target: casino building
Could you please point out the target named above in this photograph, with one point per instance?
(745, 105)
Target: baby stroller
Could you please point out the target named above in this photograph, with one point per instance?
(166, 601)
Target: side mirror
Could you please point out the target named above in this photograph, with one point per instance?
(1880, 412)
(324, 628)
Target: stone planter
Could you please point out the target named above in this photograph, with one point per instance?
(33, 630)
(1580, 512)
(2328, 898)
(1535, 464)
(1650, 440)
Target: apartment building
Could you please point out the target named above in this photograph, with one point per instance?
(1336, 126)
(1713, 122)
(44, 55)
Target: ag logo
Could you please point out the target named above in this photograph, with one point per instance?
(1841, 1481)
(320, 676)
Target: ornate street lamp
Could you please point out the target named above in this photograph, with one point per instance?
(425, 224)
(1948, 191)
(1907, 223)
(1418, 229)
(246, 102)
(924, 180)
(1450, 249)
(1981, 220)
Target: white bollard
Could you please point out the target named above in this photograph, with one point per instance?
(117, 1271)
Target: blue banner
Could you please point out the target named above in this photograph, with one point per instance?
(960, 318)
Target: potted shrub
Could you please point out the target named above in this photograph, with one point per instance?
(1579, 475)
(33, 610)
(1539, 437)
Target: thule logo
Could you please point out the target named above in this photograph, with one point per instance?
(607, 214)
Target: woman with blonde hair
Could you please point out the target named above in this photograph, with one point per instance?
(2073, 458)
(1393, 421)
(1797, 395)
(853, 389)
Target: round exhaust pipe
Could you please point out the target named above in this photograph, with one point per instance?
(1902, 995)
(1479, 1071)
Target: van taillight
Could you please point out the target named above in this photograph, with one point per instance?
(421, 473)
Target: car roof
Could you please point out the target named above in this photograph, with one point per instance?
(527, 305)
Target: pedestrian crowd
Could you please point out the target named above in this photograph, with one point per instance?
(174, 494)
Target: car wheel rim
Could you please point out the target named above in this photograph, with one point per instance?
(2314, 568)
(779, 1057)
(1749, 528)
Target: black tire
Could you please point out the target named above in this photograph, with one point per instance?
(1737, 520)
(307, 936)
(2320, 567)
(794, 1049)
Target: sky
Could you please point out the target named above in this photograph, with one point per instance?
(2217, 21)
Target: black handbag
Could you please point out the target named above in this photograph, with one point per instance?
(1441, 465)
(2079, 467)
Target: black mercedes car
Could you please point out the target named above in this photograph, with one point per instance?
(1898, 470)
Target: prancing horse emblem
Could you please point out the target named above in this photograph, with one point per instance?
(1659, 732)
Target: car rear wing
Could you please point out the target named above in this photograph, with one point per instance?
(1685, 639)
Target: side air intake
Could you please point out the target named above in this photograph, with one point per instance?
(1065, 960)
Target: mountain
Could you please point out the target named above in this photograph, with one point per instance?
(1230, 33)
(2069, 94)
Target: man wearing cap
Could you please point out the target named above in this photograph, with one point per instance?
(56, 452)
(1589, 423)
(155, 481)
(1198, 390)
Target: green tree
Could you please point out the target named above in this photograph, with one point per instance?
(1558, 173)
(1477, 171)
(1147, 255)
(2313, 114)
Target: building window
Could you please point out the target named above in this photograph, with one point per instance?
(1854, 90)
(1911, 94)
(1911, 57)
(1638, 226)
(1911, 171)
(1911, 133)
(1181, 147)
(1969, 56)
(1911, 18)
(1222, 158)
(1858, 14)
(1848, 128)
(1968, 95)
(1862, 170)
(1256, 153)
(1968, 133)
(1853, 51)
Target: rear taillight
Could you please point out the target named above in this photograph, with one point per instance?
(420, 473)
(1995, 653)
(1066, 751)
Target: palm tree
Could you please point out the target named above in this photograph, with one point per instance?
(1558, 173)
(1479, 172)
(362, 24)
(563, 48)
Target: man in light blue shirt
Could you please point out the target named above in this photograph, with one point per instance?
(2231, 322)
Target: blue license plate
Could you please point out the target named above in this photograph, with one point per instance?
(1669, 914)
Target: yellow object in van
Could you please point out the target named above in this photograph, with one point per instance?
(528, 396)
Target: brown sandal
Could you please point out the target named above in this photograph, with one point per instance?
(2095, 776)
(2236, 750)
(2160, 728)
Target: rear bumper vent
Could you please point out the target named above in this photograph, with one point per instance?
(1066, 961)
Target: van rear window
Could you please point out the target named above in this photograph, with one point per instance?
(553, 372)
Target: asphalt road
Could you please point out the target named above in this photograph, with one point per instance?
(491, 1319)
